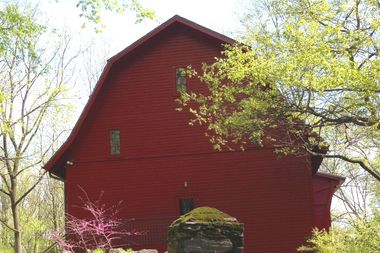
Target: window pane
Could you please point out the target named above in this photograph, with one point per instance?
(115, 142)
(181, 79)
(186, 205)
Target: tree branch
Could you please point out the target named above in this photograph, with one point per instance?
(6, 224)
(30, 189)
(373, 173)
(5, 192)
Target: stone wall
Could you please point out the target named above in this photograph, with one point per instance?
(205, 230)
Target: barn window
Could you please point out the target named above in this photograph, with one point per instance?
(115, 142)
(186, 205)
(181, 80)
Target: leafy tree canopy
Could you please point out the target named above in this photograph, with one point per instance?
(92, 9)
(306, 69)
(16, 28)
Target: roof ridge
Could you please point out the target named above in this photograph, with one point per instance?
(55, 160)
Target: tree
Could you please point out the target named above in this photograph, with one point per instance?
(356, 198)
(91, 10)
(364, 237)
(101, 231)
(307, 70)
(94, 60)
(34, 73)
(40, 212)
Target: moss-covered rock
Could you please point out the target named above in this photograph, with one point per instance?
(204, 230)
(205, 215)
(119, 250)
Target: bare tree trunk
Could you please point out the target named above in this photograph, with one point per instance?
(16, 225)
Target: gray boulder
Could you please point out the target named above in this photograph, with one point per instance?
(205, 230)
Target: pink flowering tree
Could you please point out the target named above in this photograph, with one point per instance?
(100, 230)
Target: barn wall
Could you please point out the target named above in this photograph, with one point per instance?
(139, 99)
(159, 152)
(268, 195)
(323, 190)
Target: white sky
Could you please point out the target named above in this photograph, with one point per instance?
(121, 30)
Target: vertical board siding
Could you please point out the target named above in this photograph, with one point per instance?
(159, 152)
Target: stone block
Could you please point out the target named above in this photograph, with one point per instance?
(205, 230)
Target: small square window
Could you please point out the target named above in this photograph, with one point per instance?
(115, 142)
(186, 205)
(181, 80)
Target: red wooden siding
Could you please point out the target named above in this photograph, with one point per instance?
(159, 152)
(138, 98)
(324, 186)
(253, 186)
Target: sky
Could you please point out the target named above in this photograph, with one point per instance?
(121, 30)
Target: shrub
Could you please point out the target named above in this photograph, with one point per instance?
(363, 238)
(94, 234)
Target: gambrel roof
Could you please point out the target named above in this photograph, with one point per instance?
(56, 163)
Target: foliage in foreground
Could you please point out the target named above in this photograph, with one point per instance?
(363, 238)
(311, 66)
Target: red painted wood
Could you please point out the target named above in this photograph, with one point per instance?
(324, 186)
(56, 163)
(273, 197)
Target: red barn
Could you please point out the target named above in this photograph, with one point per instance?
(133, 145)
